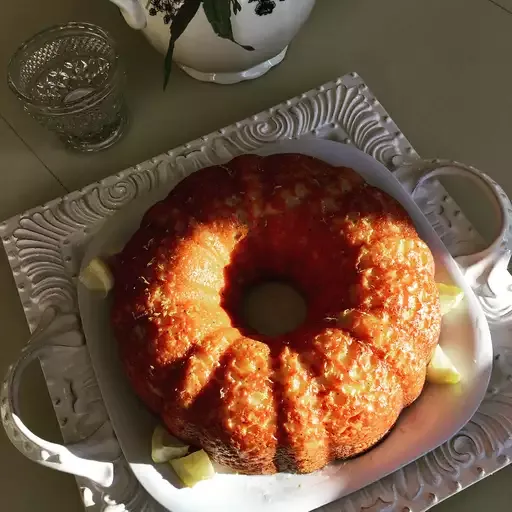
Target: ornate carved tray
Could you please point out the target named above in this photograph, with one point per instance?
(45, 247)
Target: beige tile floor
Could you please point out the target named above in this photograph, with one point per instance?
(442, 69)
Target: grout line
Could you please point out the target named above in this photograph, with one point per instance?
(33, 152)
(494, 2)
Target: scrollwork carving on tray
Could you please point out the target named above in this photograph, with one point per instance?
(340, 108)
(45, 248)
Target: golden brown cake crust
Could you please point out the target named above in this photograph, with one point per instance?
(330, 389)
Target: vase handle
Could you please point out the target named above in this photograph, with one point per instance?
(133, 13)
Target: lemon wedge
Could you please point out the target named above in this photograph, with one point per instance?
(441, 370)
(450, 297)
(165, 447)
(193, 468)
(97, 277)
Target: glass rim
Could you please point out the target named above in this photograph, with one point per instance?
(81, 103)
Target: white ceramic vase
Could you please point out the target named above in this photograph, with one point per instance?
(266, 25)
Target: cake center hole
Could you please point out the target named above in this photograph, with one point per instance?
(273, 308)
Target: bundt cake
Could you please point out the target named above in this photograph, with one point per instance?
(329, 389)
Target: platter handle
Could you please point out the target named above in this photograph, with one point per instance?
(57, 331)
(487, 270)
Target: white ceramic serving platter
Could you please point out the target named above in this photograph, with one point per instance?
(439, 413)
(45, 248)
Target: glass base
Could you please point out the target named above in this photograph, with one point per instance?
(94, 145)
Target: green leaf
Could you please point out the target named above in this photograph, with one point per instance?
(180, 22)
(218, 13)
(236, 6)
